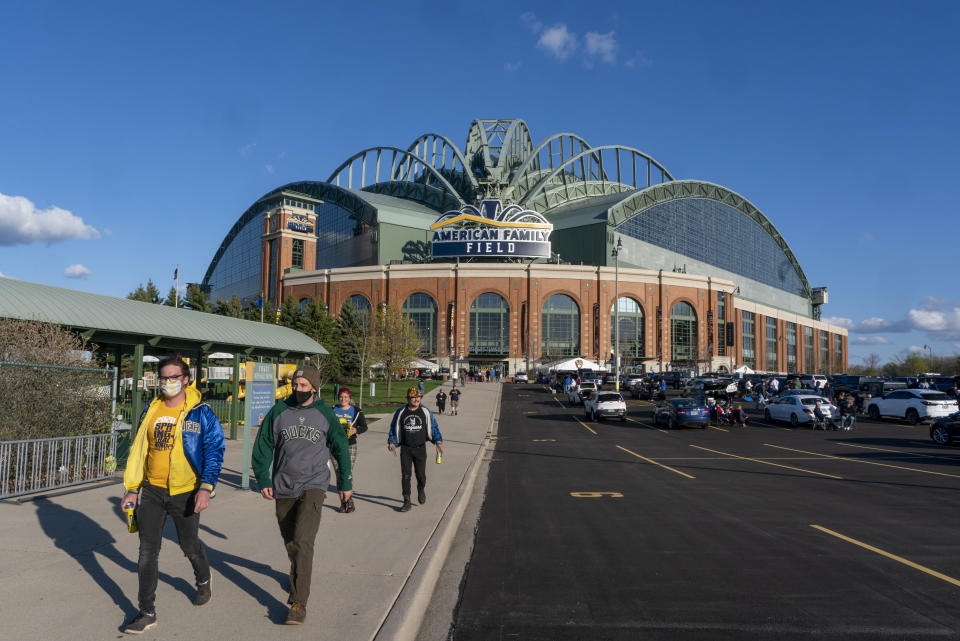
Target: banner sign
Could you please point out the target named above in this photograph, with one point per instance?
(296, 222)
(491, 230)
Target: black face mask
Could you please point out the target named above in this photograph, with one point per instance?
(301, 397)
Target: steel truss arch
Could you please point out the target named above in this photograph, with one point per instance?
(446, 143)
(493, 145)
(635, 204)
(591, 180)
(347, 200)
(532, 163)
(409, 170)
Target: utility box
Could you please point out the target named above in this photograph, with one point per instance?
(819, 296)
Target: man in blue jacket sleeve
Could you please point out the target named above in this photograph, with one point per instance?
(410, 429)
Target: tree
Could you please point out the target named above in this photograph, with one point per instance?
(148, 294)
(232, 308)
(172, 299)
(317, 324)
(395, 340)
(871, 364)
(356, 343)
(289, 312)
(196, 299)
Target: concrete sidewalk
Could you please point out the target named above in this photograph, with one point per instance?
(68, 565)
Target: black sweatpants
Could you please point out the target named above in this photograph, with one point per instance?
(417, 458)
(156, 505)
(299, 520)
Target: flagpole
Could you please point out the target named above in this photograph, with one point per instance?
(176, 286)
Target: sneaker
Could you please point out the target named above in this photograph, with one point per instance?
(350, 506)
(141, 623)
(421, 496)
(406, 505)
(204, 592)
(297, 614)
(343, 507)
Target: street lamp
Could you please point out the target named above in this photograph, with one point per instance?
(616, 313)
(929, 351)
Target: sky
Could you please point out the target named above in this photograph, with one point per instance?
(133, 135)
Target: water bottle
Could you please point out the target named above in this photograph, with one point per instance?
(132, 525)
(439, 457)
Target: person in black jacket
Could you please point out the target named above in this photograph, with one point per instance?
(441, 401)
(353, 422)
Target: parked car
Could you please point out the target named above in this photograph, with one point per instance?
(591, 377)
(577, 393)
(678, 412)
(521, 377)
(798, 409)
(945, 429)
(850, 382)
(808, 380)
(945, 384)
(915, 405)
(674, 379)
(630, 380)
(605, 405)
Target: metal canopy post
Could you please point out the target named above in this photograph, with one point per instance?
(235, 404)
(137, 401)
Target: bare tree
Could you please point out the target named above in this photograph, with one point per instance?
(871, 364)
(396, 341)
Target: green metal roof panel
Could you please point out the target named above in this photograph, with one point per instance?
(82, 310)
(585, 212)
(399, 211)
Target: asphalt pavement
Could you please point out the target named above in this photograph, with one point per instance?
(68, 565)
(609, 530)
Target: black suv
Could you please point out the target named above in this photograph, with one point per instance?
(851, 383)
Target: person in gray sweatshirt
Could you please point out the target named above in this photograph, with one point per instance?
(290, 455)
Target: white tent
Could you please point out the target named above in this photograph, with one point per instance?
(573, 364)
(424, 364)
(743, 370)
(219, 355)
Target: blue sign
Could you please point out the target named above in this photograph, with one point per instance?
(491, 230)
(297, 222)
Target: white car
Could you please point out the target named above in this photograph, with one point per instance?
(605, 405)
(914, 405)
(798, 409)
(630, 380)
(520, 377)
(577, 393)
(813, 381)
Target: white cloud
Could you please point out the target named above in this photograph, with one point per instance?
(269, 168)
(558, 41)
(21, 223)
(916, 348)
(871, 340)
(935, 321)
(840, 321)
(512, 66)
(76, 271)
(530, 19)
(602, 45)
(638, 60)
(247, 149)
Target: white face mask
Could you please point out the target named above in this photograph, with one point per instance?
(171, 388)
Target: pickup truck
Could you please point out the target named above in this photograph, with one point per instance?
(605, 405)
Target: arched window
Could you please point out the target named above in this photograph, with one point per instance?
(683, 333)
(632, 343)
(421, 309)
(489, 325)
(560, 328)
(361, 304)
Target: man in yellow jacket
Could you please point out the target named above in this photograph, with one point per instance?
(174, 464)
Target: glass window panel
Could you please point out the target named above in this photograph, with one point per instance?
(489, 325)
(632, 330)
(749, 354)
(772, 344)
(560, 328)
(683, 333)
(421, 309)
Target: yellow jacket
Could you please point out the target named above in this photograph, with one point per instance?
(197, 454)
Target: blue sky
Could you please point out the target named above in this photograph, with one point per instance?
(132, 135)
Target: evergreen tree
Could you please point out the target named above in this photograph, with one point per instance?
(316, 323)
(172, 298)
(196, 299)
(289, 313)
(355, 346)
(232, 308)
(148, 294)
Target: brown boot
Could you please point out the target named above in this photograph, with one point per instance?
(350, 506)
(297, 614)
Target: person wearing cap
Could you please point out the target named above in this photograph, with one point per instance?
(353, 422)
(410, 429)
(297, 438)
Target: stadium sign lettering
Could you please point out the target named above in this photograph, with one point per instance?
(299, 223)
(491, 230)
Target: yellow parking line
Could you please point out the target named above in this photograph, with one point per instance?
(648, 460)
(880, 449)
(756, 460)
(899, 467)
(899, 559)
(585, 425)
(558, 401)
(647, 425)
(714, 427)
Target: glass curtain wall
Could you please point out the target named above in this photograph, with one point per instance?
(824, 353)
(489, 325)
(632, 330)
(421, 309)
(808, 349)
(838, 353)
(561, 328)
(771, 324)
(683, 333)
(749, 353)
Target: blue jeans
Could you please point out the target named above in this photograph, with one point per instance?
(848, 421)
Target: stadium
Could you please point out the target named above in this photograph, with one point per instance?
(513, 254)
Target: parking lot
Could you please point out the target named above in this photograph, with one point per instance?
(616, 530)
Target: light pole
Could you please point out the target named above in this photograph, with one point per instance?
(930, 352)
(616, 313)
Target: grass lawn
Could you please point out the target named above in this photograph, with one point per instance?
(384, 403)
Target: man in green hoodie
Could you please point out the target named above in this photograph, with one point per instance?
(290, 455)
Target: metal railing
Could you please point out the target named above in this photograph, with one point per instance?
(42, 464)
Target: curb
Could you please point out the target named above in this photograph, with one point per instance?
(406, 613)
